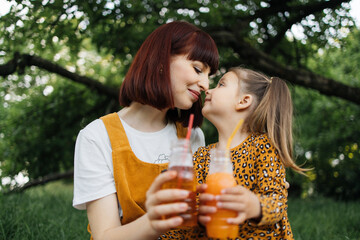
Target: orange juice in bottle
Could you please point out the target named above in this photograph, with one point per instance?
(181, 162)
(220, 177)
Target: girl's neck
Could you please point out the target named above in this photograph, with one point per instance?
(144, 117)
(225, 131)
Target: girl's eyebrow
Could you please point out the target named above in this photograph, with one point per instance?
(222, 79)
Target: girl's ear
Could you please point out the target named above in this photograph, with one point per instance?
(244, 102)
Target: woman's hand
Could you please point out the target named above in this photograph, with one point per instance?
(204, 210)
(162, 202)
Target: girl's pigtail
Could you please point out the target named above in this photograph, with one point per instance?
(271, 112)
(278, 106)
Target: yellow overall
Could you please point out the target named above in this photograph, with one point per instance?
(132, 176)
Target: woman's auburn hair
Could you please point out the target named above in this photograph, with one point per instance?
(148, 79)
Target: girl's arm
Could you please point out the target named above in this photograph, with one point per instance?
(266, 204)
(103, 213)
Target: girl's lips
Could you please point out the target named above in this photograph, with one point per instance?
(195, 94)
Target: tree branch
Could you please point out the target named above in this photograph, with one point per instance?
(299, 13)
(263, 62)
(22, 60)
(43, 180)
(247, 53)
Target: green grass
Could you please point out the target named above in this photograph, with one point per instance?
(45, 212)
(321, 218)
(42, 213)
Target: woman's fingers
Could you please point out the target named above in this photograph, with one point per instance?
(160, 180)
(165, 225)
(156, 212)
(201, 188)
(204, 209)
(204, 219)
(165, 195)
(204, 197)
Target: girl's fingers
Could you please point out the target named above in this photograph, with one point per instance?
(235, 206)
(240, 219)
(287, 185)
(229, 198)
(234, 190)
(156, 212)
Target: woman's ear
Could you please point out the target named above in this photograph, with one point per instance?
(244, 102)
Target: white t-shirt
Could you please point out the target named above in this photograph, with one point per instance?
(93, 166)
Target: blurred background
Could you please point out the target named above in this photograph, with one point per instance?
(62, 63)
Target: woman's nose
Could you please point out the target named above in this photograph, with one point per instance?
(204, 83)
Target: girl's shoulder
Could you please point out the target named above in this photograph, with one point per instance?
(258, 138)
(205, 150)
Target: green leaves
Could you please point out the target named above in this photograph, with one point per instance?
(41, 113)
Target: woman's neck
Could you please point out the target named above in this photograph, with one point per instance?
(144, 117)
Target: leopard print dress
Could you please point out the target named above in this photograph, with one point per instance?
(256, 166)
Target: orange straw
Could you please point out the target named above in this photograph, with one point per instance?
(232, 136)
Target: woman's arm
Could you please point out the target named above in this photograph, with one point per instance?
(105, 221)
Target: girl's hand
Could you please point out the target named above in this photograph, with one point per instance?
(161, 202)
(241, 200)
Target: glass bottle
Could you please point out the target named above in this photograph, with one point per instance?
(181, 162)
(220, 177)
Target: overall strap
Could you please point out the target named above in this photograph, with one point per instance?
(181, 130)
(115, 130)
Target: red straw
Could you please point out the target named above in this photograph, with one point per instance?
(191, 120)
(186, 147)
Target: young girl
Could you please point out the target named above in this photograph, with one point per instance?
(118, 156)
(260, 151)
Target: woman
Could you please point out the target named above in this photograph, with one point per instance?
(118, 156)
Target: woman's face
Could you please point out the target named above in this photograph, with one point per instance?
(188, 79)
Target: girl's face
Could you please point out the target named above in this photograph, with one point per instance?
(188, 79)
(222, 100)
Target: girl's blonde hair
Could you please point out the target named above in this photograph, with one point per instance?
(271, 111)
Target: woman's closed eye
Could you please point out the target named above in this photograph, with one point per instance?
(197, 70)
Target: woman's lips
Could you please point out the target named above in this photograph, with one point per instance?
(195, 94)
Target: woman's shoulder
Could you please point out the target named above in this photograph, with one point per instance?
(197, 139)
(94, 130)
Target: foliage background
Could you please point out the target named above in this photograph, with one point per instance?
(41, 111)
